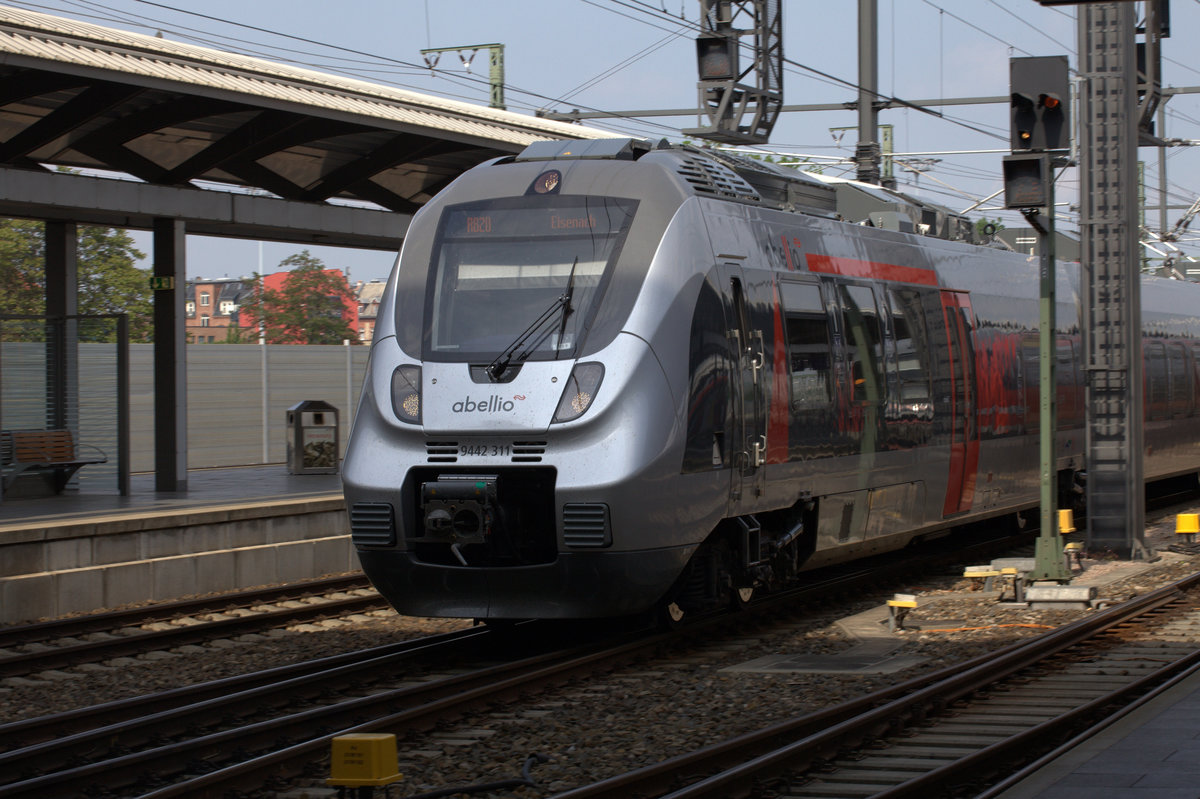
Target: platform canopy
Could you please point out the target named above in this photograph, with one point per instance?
(179, 116)
(203, 141)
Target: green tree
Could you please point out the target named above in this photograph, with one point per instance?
(308, 308)
(22, 267)
(109, 279)
(240, 335)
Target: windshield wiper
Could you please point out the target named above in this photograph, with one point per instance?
(567, 309)
(500, 365)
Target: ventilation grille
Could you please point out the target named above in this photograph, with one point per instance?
(371, 525)
(441, 451)
(717, 180)
(528, 451)
(585, 525)
(516, 452)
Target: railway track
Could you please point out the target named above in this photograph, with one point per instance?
(950, 732)
(261, 724)
(244, 732)
(67, 642)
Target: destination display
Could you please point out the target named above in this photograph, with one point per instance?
(592, 216)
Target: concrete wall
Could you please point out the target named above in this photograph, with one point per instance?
(135, 557)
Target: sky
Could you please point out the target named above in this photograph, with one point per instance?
(618, 55)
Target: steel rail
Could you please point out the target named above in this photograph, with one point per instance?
(797, 743)
(139, 643)
(16, 635)
(66, 737)
(991, 758)
(254, 772)
(164, 761)
(408, 708)
(1031, 768)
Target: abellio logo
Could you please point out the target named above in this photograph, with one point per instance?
(492, 404)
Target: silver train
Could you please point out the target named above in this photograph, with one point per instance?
(611, 376)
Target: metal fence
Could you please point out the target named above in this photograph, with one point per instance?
(237, 399)
(69, 373)
(238, 396)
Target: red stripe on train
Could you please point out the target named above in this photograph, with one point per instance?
(851, 267)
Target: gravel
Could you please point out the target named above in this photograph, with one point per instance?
(94, 683)
(624, 720)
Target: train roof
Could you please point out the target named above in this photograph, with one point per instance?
(737, 178)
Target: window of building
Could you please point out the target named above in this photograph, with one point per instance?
(228, 307)
(191, 307)
(204, 321)
(204, 298)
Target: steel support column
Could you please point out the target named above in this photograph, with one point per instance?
(62, 305)
(170, 368)
(867, 154)
(1111, 279)
(1049, 563)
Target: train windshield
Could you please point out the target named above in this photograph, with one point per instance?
(500, 266)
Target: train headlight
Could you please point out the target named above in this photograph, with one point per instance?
(581, 389)
(406, 394)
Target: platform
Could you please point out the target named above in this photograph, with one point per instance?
(205, 488)
(233, 528)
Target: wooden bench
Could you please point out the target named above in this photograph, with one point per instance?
(48, 454)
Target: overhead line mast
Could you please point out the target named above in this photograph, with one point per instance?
(738, 112)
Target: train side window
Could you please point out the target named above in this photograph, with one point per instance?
(1181, 380)
(1032, 377)
(808, 343)
(1157, 386)
(912, 352)
(1196, 370)
(1069, 403)
(864, 341)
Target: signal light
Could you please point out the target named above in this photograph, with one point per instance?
(717, 57)
(1026, 180)
(1039, 88)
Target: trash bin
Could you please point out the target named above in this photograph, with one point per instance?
(312, 438)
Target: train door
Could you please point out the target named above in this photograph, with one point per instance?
(748, 429)
(964, 430)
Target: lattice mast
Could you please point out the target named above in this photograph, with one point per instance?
(739, 104)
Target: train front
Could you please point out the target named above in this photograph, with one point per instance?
(510, 424)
